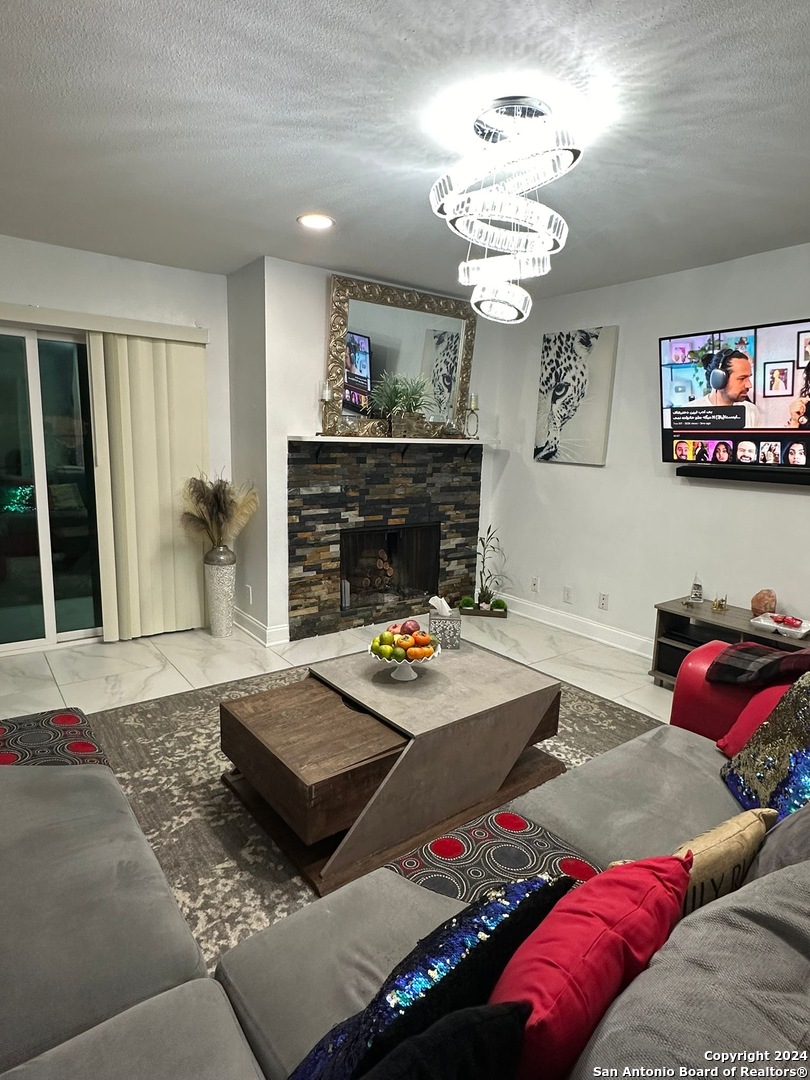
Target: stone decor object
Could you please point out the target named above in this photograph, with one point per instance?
(220, 586)
(763, 601)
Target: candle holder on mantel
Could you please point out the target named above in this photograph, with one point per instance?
(471, 422)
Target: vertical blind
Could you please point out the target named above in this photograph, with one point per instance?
(150, 424)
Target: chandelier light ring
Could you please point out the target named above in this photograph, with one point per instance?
(529, 228)
(536, 173)
(548, 158)
(502, 302)
(502, 268)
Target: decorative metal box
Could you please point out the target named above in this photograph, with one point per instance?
(447, 628)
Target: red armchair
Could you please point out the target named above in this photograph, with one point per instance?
(710, 709)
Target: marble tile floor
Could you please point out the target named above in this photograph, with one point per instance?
(97, 675)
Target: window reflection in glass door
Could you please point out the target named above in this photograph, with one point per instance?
(65, 392)
(22, 616)
(49, 571)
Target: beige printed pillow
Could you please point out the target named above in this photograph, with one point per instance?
(722, 856)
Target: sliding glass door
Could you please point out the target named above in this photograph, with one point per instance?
(49, 578)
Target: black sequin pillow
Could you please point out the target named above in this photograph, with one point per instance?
(773, 768)
(483, 1043)
(454, 967)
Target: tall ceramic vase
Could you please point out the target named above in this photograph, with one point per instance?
(220, 577)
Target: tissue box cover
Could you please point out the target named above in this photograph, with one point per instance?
(447, 629)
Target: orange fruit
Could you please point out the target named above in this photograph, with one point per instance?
(428, 651)
(421, 638)
(405, 641)
(415, 653)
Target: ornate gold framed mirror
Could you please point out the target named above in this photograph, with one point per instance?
(375, 328)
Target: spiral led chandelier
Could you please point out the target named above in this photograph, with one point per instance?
(485, 200)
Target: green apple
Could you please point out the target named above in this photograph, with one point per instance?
(375, 647)
(398, 654)
(386, 638)
(385, 652)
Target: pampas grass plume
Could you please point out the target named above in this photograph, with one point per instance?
(217, 508)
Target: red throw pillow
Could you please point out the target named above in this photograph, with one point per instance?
(753, 716)
(586, 951)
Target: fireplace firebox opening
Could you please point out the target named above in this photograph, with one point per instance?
(381, 566)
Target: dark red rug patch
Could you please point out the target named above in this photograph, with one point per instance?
(484, 853)
(62, 737)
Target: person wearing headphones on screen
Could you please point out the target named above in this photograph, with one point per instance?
(730, 376)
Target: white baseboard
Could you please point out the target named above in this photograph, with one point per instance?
(606, 635)
(265, 635)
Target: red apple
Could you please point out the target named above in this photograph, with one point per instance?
(410, 626)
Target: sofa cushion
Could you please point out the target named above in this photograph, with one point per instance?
(189, 1031)
(733, 976)
(640, 799)
(481, 1043)
(786, 844)
(721, 856)
(90, 926)
(773, 768)
(594, 942)
(289, 984)
(752, 717)
(454, 967)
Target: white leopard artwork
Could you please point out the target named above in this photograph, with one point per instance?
(440, 364)
(575, 381)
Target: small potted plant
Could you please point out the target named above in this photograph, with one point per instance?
(401, 401)
(489, 579)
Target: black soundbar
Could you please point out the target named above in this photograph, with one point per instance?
(756, 474)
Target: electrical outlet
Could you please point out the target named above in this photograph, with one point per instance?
(568, 594)
(603, 601)
(535, 584)
(249, 591)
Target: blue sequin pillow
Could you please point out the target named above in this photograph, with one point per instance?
(773, 768)
(454, 967)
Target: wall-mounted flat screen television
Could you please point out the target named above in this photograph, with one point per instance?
(737, 397)
(357, 372)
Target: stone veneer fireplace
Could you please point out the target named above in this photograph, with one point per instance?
(386, 488)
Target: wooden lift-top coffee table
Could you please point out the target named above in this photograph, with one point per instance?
(348, 768)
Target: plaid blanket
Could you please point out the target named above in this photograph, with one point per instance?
(757, 665)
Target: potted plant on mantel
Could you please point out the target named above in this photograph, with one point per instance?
(401, 401)
(218, 510)
(489, 580)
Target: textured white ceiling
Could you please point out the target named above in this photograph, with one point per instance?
(193, 132)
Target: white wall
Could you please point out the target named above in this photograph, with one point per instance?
(247, 351)
(297, 318)
(57, 277)
(633, 529)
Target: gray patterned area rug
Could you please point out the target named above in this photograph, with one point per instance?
(228, 877)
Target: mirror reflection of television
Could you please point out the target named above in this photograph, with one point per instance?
(737, 397)
(357, 372)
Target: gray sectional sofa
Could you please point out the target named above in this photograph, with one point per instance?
(103, 979)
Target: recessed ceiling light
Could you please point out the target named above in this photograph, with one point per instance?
(316, 221)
